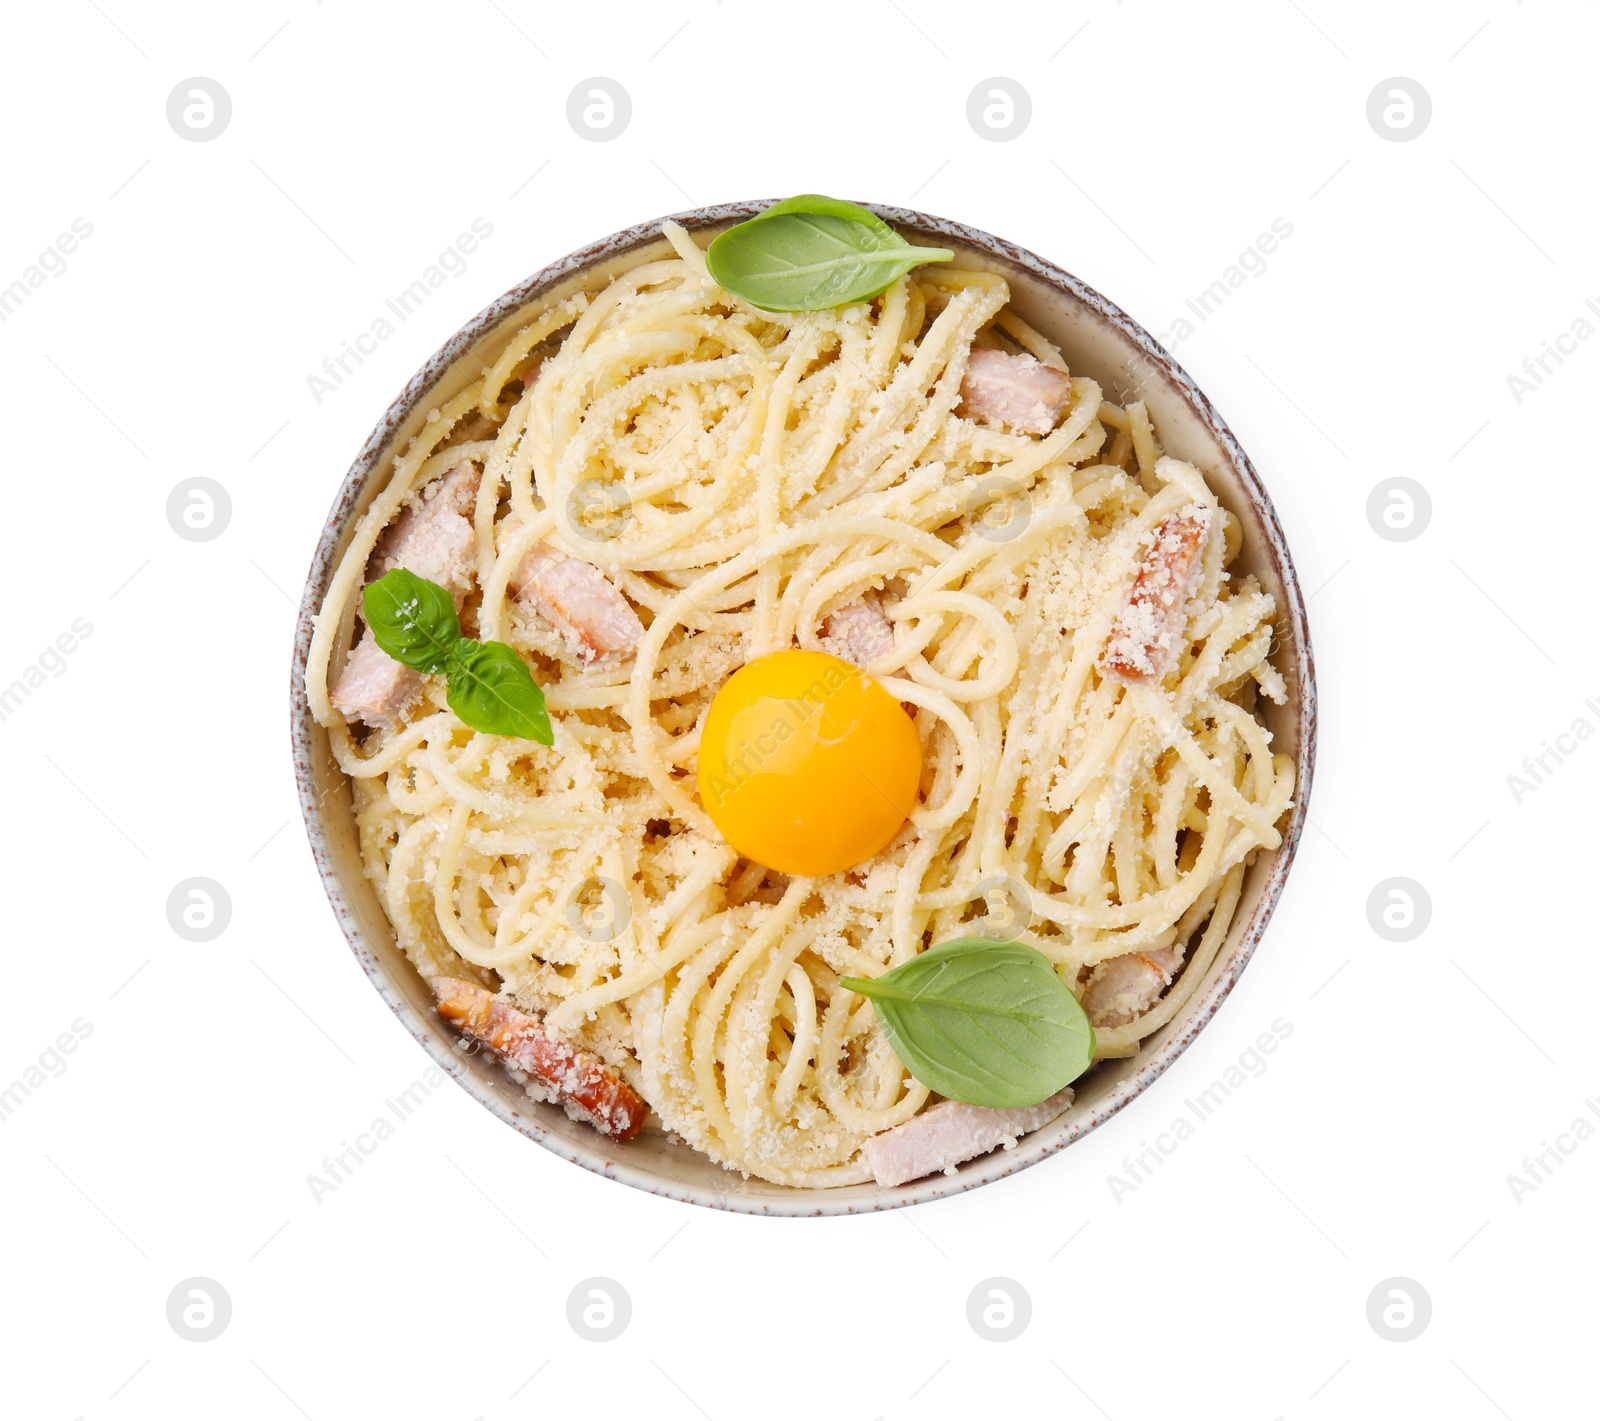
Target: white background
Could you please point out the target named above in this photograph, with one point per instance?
(1164, 138)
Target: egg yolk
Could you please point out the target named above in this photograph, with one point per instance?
(807, 764)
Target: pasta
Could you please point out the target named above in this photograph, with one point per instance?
(740, 475)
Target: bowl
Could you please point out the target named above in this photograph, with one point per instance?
(1097, 339)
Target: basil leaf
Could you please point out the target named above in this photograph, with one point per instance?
(818, 205)
(489, 685)
(412, 620)
(811, 253)
(491, 689)
(981, 1021)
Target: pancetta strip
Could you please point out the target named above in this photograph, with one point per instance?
(1126, 987)
(585, 1084)
(946, 1134)
(1015, 392)
(595, 620)
(434, 539)
(1148, 633)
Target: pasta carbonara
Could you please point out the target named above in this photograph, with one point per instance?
(656, 483)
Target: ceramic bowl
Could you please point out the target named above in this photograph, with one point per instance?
(1097, 339)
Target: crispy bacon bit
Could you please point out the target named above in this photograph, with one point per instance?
(589, 1088)
(859, 632)
(1147, 635)
(950, 1132)
(1126, 987)
(595, 620)
(1016, 392)
(434, 539)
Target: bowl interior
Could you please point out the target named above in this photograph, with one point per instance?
(1097, 339)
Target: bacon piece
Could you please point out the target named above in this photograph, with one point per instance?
(1016, 392)
(595, 620)
(1126, 987)
(434, 539)
(374, 687)
(1146, 637)
(948, 1133)
(589, 1088)
(859, 632)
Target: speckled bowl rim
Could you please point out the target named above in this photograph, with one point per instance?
(808, 1202)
